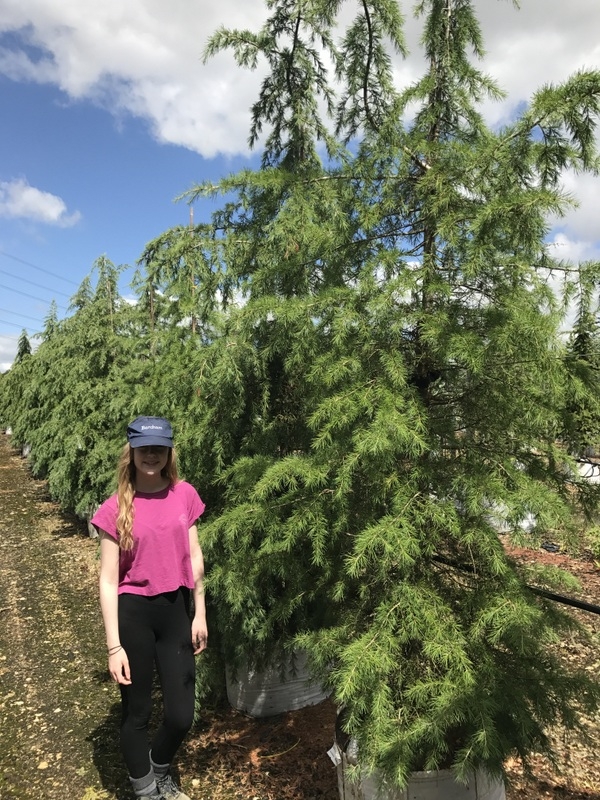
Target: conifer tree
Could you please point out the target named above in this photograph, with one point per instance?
(51, 324)
(23, 347)
(394, 384)
(12, 388)
(106, 362)
(184, 266)
(73, 400)
(582, 422)
(255, 399)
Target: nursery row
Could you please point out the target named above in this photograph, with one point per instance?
(364, 357)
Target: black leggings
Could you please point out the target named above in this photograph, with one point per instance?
(156, 630)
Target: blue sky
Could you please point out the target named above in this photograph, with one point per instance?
(116, 181)
(109, 114)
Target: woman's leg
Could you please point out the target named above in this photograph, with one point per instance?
(176, 669)
(136, 630)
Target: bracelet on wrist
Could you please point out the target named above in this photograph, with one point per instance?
(115, 649)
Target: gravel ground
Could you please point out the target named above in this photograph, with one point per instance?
(59, 709)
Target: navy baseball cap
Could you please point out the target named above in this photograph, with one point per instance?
(147, 431)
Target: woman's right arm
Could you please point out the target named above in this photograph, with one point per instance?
(118, 663)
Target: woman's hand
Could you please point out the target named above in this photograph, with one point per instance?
(199, 634)
(118, 666)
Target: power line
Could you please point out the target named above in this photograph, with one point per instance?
(10, 338)
(31, 296)
(14, 324)
(18, 314)
(33, 283)
(41, 269)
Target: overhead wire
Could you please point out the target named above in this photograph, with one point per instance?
(40, 269)
(33, 283)
(7, 337)
(19, 314)
(31, 296)
(13, 324)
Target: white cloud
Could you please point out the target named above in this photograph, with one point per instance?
(544, 42)
(8, 351)
(20, 200)
(565, 248)
(582, 220)
(144, 57)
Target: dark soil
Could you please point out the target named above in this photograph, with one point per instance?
(59, 711)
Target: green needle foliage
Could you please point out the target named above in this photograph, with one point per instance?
(23, 347)
(582, 409)
(395, 387)
(364, 357)
(71, 399)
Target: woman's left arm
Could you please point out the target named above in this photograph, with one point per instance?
(199, 629)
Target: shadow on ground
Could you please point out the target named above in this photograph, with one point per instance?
(107, 755)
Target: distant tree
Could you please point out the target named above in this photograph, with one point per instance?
(582, 424)
(12, 387)
(51, 323)
(83, 296)
(182, 271)
(73, 402)
(23, 347)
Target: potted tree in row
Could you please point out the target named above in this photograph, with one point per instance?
(396, 372)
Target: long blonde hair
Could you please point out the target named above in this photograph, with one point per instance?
(126, 491)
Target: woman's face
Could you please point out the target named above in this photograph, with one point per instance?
(151, 460)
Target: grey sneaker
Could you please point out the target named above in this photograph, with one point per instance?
(156, 795)
(169, 789)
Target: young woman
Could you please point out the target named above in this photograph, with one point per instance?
(150, 564)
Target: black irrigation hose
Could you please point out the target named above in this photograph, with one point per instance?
(567, 601)
(557, 598)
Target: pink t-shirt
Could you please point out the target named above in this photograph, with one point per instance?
(160, 558)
